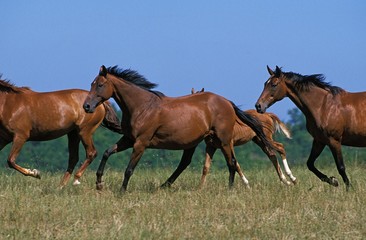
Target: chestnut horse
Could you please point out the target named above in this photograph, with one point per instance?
(243, 134)
(334, 117)
(26, 115)
(151, 120)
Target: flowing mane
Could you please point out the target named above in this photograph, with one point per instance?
(7, 87)
(305, 82)
(135, 78)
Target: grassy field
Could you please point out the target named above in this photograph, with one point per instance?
(36, 209)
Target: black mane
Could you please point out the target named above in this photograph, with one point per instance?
(305, 82)
(7, 87)
(135, 78)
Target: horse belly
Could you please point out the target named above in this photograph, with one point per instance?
(354, 140)
(176, 140)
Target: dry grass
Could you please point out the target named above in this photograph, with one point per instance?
(33, 209)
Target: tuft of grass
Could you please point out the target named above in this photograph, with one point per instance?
(37, 209)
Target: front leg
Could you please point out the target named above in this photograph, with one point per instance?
(316, 150)
(138, 150)
(183, 164)
(123, 144)
(336, 149)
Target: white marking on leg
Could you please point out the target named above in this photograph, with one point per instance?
(76, 182)
(245, 181)
(288, 170)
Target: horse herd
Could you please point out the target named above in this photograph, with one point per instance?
(334, 117)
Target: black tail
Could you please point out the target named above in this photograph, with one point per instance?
(111, 120)
(254, 124)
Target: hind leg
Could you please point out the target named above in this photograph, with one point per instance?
(272, 156)
(18, 143)
(73, 146)
(90, 152)
(183, 164)
(233, 165)
(282, 152)
(210, 151)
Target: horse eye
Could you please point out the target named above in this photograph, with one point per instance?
(100, 85)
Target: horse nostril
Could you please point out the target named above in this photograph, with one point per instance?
(258, 106)
(86, 107)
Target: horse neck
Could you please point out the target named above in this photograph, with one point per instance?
(131, 98)
(309, 102)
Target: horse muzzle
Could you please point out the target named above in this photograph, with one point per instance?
(88, 108)
(261, 107)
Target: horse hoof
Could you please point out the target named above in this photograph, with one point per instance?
(294, 181)
(100, 186)
(76, 182)
(166, 185)
(36, 173)
(333, 181)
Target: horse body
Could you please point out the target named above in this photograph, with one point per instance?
(20, 117)
(334, 117)
(186, 121)
(26, 115)
(162, 122)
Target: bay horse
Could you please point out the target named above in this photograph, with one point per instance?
(26, 115)
(243, 134)
(334, 117)
(153, 120)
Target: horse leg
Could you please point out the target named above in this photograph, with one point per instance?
(272, 156)
(90, 153)
(336, 149)
(316, 150)
(183, 164)
(210, 151)
(227, 151)
(138, 150)
(282, 152)
(73, 146)
(18, 142)
(123, 144)
(239, 171)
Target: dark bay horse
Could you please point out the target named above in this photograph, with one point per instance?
(334, 117)
(152, 120)
(243, 134)
(26, 115)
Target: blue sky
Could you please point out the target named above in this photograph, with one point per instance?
(223, 46)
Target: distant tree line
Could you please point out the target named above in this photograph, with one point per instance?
(53, 155)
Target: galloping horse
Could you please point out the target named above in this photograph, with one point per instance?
(243, 134)
(26, 115)
(334, 117)
(151, 120)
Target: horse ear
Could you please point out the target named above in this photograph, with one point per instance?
(270, 71)
(103, 71)
(278, 71)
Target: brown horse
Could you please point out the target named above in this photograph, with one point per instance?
(151, 120)
(243, 134)
(334, 117)
(26, 115)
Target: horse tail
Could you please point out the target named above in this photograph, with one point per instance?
(111, 120)
(254, 124)
(280, 126)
